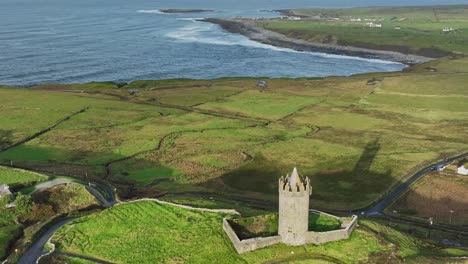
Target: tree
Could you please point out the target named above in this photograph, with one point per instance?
(23, 204)
(4, 201)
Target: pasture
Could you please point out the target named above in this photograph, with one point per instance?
(440, 195)
(416, 30)
(353, 139)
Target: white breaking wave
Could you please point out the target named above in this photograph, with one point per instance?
(155, 11)
(202, 32)
(193, 19)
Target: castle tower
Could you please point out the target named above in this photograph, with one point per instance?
(294, 192)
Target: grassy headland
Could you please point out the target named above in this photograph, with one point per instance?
(407, 34)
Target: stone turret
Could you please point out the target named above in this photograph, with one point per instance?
(294, 192)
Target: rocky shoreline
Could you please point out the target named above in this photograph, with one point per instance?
(174, 11)
(250, 29)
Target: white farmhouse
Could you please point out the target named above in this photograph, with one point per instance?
(4, 190)
(462, 170)
(374, 25)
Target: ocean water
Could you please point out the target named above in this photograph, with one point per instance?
(69, 41)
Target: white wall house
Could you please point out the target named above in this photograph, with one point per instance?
(4, 190)
(374, 25)
(462, 170)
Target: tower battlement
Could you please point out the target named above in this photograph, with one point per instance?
(295, 183)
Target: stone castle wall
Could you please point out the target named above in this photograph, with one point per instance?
(246, 245)
(318, 238)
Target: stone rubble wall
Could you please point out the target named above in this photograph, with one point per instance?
(318, 238)
(246, 245)
(225, 211)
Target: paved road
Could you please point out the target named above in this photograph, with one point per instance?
(107, 201)
(378, 208)
(49, 184)
(37, 249)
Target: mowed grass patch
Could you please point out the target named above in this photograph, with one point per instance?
(260, 104)
(148, 232)
(11, 176)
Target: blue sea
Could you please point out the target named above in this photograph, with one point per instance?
(75, 41)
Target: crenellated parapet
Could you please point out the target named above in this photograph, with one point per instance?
(295, 183)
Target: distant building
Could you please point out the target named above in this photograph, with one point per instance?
(4, 190)
(462, 170)
(374, 25)
(262, 84)
(355, 20)
(447, 29)
(398, 27)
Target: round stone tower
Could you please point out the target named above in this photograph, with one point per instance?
(294, 192)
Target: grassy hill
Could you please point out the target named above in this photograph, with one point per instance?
(227, 138)
(149, 232)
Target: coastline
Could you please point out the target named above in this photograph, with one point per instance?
(248, 28)
(178, 11)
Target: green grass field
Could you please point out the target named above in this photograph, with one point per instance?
(420, 28)
(14, 176)
(149, 232)
(347, 136)
(167, 234)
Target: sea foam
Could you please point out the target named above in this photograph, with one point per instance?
(155, 11)
(202, 32)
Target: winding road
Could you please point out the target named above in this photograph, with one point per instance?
(377, 209)
(37, 248)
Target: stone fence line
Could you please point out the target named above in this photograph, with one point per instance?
(225, 211)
